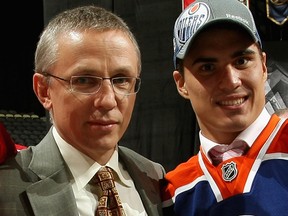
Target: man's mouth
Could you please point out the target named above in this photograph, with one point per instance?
(234, 102)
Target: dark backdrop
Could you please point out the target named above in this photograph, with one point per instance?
(20, 29)
(163, 127)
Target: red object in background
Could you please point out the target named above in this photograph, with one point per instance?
(185, 3)
(7, 147)
(20, 147)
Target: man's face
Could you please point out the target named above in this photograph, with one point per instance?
(92, 123)
(224, 76)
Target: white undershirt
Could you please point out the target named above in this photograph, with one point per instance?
(83, 168)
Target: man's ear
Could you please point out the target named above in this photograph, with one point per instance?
(180, 84)
(264, 66)
(41, 89)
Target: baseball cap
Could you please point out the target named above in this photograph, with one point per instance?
(203, 13)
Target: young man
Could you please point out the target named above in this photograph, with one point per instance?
(221, 69)
(87, 68)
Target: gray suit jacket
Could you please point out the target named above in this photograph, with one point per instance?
(36, 182)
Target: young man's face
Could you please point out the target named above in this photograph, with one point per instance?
(224, 77)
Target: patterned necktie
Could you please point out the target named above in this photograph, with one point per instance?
(218, 154)
(109, 202)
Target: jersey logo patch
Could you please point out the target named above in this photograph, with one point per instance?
(229, 171)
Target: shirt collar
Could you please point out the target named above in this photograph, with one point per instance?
(83, 168)
(249, 135)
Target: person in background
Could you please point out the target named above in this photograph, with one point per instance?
(7, 145)
(283, 113)
(87, 75)
(8, 148)
(242, 165)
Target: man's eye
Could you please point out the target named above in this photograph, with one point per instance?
(207, 67)
(120, 80)
(84, 80)
(241, 61)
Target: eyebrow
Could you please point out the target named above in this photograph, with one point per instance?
(234, 55)
(243, 52)
(203, 60)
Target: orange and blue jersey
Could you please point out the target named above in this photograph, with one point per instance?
(253, 184)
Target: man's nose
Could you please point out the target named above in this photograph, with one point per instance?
(230, 78)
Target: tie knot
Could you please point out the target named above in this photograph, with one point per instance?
(221, 153)
(104, 178)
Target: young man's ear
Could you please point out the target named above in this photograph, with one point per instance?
(41, 89)
(180, 83)
(264, 66)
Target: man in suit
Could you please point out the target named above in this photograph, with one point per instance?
(87, 68)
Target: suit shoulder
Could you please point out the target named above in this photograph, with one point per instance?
(16, 167)
(130, 157)
(133, 154)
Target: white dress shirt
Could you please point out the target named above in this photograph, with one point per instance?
(249, 135)
(83, 168)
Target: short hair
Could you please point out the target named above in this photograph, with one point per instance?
(78, 19)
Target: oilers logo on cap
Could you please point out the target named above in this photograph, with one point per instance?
(188, 23)
(202, 13)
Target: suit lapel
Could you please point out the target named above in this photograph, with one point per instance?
(147, 187)
(52, 194)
